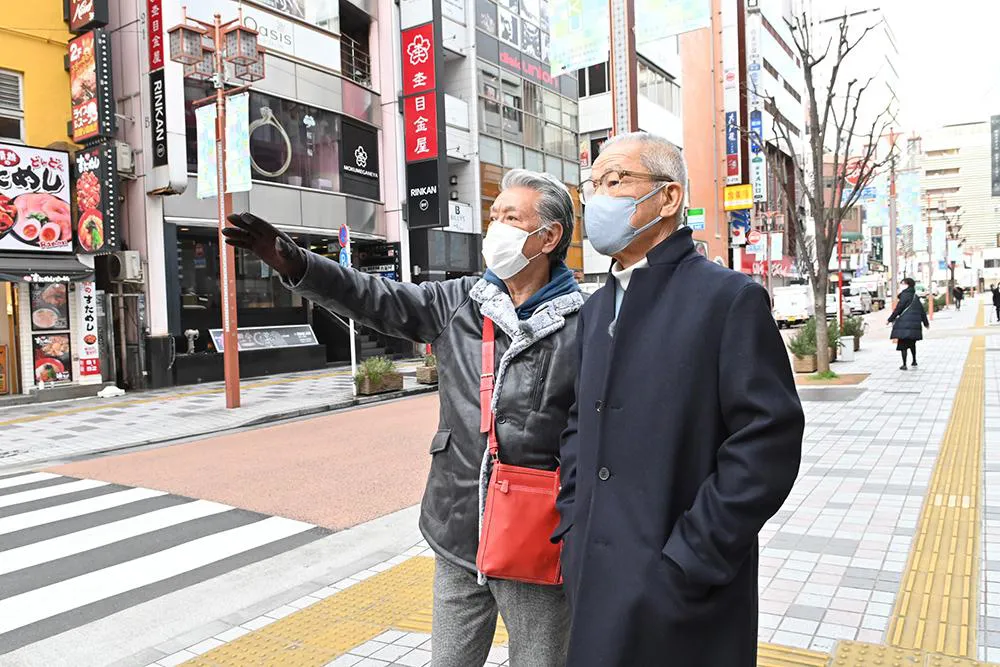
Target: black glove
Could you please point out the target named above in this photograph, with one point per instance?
(274, 247)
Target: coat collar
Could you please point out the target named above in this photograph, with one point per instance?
(673, 249)
(496, 304)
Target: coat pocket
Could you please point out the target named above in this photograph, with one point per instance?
(538, 391)
(440, 441)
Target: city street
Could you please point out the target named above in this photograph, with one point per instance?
(297, 542)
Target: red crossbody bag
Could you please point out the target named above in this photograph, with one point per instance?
(520, 513)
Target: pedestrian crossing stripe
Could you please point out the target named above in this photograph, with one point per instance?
(68, 557)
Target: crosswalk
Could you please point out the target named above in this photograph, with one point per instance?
(73, 551)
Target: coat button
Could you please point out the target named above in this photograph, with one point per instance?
(604, 474)
(599, 405)
(501, 420)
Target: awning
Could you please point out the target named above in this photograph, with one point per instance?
(41, 268)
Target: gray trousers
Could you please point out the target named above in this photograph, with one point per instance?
(465, 620)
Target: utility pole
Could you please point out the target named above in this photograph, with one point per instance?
(893, 256)
(625, 107)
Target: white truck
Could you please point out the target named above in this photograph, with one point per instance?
(792, 305)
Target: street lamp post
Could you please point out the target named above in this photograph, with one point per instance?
(205, 49)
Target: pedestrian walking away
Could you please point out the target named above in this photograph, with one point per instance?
(685, 438)
(532, 300)
(958, 294)
(996, 300)
(908, 320)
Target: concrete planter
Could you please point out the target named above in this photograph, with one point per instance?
(387, 383)
(427, 375)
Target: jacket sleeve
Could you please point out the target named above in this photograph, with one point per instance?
(569, 448)
(759, 460)
(415, 312)
(898, 310)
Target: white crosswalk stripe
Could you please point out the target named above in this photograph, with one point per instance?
(69, 557)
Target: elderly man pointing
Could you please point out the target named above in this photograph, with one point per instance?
(529, 300)
(685, 437)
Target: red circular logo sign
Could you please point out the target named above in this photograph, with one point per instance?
(753, 238)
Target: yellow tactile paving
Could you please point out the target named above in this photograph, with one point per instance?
(857, 654)
(772, 655)
(936, 608)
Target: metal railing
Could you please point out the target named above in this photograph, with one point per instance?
(356, 64)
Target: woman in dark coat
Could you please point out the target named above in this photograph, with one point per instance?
(908, 320)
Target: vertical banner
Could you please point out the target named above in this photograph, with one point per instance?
(581, 34)
(96, 194)
(157, 82)
(777, 246)
(995, 129)
(88, 341)
(238, 143)
(731, 81)
(207, 169)
(90, 86)
(755, 105)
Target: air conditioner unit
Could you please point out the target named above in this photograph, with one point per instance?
(126, 158)
(125, 266)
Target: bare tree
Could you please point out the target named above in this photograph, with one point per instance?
(839, 137)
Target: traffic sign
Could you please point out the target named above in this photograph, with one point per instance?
(753, 238)
(345, 258)
(345, 236)
(696, 218)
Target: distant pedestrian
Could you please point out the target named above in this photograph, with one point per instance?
(507, 354)
(996, 299)
(958, 294)
(907, 321)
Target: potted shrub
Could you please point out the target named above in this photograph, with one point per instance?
(854, 327)
(803, 348)
(833, 336)
(377, 375)
(428, 373)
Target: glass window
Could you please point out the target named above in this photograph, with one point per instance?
(489, 150)
(533, 99)
(569, 145)
(581, 84)
(489, 80)
(513, 156)
(553, 106)
(486, 16)
(569, 114)
(534, 160)
(571, 172)
(11, 106)
(597, 76)
(553, 139)
(489, 116)
(512, 125)
(533, 131)
(553, 165)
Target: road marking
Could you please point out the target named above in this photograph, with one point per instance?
(50, 492)
(42, 603)
(79, 508)
(938, 601)
(27, 478)
(100, 536)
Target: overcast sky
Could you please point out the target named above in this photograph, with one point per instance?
(949, 63)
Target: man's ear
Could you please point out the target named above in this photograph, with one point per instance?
(553, 236)
(673, 196)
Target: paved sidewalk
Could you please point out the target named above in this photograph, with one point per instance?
(30, 435)
(887, 552)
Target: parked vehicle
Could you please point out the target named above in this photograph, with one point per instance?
(792, 305)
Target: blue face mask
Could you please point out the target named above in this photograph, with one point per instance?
(607, 220)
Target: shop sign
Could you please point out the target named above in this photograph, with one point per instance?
(359, 160)
(96, 193)
(87, 14)
(758, 177)
(738, 197)
(157, 82)
(90, 86)
(34, 200)
(423, 201)
(528, 67)
(49, 306)
(418, 59)
(268, 338)
(53, 357)
(460, 218)
(696, 218)
(420, 118)
(995, 130)
(88, 349)
(47, 278)
(321, 13)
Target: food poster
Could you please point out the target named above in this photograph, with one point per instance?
(34, 200)
(52, 356)
(88, 348)
(49, 306)
(96, 193)
(90, 86)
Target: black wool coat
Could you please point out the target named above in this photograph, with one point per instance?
(909, 317)
(685, 439)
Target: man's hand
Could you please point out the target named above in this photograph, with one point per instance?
(274, 247)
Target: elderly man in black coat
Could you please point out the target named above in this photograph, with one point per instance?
(685, 438)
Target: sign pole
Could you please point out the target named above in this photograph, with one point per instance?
(227, 254)
(625, 114)
(893, 257)
(345, 261)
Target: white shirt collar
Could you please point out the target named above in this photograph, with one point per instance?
(623, 276)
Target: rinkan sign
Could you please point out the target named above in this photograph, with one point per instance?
(423, 192)
(158, 117)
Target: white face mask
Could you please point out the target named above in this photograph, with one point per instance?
(502, 249)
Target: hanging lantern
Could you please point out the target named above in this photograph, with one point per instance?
(186, 44)
(206, 67)
(254, 71)
(240, 45)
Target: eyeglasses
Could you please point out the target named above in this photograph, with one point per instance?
(611, 183)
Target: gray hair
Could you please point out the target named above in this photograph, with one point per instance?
(555, 206)
(658, 156)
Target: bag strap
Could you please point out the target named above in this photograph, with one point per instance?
(487, 420)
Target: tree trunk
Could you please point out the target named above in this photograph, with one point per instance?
(822, 337)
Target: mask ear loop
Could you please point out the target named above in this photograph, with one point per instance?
(543, 227)
(655, 220)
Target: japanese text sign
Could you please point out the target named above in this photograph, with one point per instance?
(90, 86)
(88, 350)
(418, 59)
(420, 117)
(738, 197)
(154, 33)
(34, 200)
(96, 192)
(87, 14)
